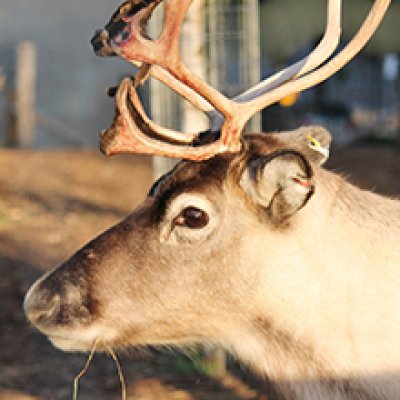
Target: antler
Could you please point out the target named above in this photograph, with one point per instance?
(133, 132)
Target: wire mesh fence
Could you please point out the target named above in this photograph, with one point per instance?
(222, 46)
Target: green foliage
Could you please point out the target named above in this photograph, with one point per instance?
(193, 361)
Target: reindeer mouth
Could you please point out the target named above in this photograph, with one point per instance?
(71, 345)
(79, 340)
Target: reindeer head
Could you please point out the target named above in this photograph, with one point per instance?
(183, 261)
(186, 264)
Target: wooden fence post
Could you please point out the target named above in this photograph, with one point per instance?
(2, 80)
(25, 96)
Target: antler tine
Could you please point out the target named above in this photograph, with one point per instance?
(185, 91)
(133, 132)
(128, 104)
(173, 63)
(319, 55)
(363, 35)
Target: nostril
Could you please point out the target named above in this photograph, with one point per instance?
(40, 306)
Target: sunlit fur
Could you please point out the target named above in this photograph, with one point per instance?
(309, 298)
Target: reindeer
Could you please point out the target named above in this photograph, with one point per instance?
(248, 242)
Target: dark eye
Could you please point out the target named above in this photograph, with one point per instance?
(192, 217)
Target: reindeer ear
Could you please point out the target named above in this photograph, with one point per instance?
(312, 141)
(281, 183)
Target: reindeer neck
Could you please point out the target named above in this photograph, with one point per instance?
(373, 216)
(337, 281)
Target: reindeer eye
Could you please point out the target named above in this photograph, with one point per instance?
(193, 218)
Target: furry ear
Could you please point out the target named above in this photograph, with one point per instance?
(312, 141)
(280, 182)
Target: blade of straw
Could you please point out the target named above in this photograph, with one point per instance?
(83, 371)
(120, 373)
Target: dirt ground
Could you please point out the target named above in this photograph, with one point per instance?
(51, 203)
